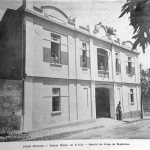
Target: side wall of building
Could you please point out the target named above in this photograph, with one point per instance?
(11, 52)
(11, 104)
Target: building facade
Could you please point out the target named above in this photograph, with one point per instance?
(65, 72)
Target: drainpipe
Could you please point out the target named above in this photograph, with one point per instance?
(23, 66)
(141, 93)
(113, 77)
(76, 72)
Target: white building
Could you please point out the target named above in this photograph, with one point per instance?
(71, 73)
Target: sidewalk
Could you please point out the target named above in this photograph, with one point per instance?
(68, 129)
(53, 133)
(130, 120)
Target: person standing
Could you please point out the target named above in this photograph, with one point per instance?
(119, 111)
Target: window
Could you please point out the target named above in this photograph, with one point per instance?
(117, 63)
(131, 96)
(130, 68)
(55, 48)
(102, 59)
(56, 104)
(129, 65)
(84, 55)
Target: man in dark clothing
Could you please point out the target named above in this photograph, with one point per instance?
(119, 111)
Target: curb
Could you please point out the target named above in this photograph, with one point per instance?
(64, 134)
(136, 120)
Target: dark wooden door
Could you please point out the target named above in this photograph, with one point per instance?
(102, 103)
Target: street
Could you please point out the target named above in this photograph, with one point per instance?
(135, 130)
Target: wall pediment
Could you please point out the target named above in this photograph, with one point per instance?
(54, 13)
(128, 44)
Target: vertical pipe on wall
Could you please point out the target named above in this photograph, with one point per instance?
(23, 67)
(69, 101)
(91, 82)
(76, 75)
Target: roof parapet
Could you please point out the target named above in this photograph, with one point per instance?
(28, 4)
(99, 31)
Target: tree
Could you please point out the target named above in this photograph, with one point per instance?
(110, 31)
(139, 14)
(145, 82)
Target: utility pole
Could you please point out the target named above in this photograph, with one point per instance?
(141, 92)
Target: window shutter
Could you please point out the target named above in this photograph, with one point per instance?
(64, 58)
(81, 61)
(127, 72)
(133, 70)
(88, 62)
(46, 54)
(119, 68)
(107, 59)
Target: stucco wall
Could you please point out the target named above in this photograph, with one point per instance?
(123, 76)
(76, 102)
(11, 104)
(124, 98)
(77, 84)
(11, 53)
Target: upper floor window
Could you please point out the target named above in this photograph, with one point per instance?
(84, 58)
(55, 48)
(117, 63)
(129, 65)
(102, 59)
(130, 69)
(84, 54)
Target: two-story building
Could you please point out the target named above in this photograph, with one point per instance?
(63, 72)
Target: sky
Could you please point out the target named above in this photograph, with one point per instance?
(91, 12)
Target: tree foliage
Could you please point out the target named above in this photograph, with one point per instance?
(110, 31)
(139, 15)
(145, 83)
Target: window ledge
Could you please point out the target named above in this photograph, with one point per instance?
(118, 73)
(55, 65)
(130, 75)
(56, 113)
(85, 69)
(103, 72)
(132, 103)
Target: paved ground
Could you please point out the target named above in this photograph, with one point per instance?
(134, 130)
(68, 130)
(103, 128)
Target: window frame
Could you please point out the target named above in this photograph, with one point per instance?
(84, 51)
(132, 96)
(129, 65)
(59, 49)
(105, 55)
(56, 95)
(118, 70)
